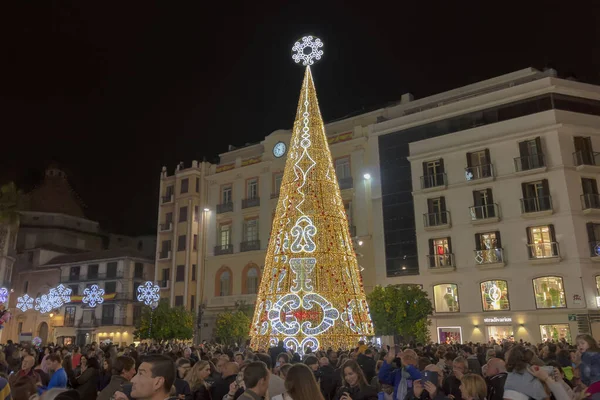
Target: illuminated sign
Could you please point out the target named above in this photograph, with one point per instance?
(497, 319)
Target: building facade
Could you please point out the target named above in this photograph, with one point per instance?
(500, 188)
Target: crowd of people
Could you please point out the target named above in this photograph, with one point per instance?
(512, 371)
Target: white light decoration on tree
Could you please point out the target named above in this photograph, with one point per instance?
(93, 296)
(3, 295)
(24, 302)
(308, 42)
(148, 293)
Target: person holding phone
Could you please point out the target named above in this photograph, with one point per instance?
(429, 387)
(401, 378)
(355, 386)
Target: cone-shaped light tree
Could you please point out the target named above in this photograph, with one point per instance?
(311, 293)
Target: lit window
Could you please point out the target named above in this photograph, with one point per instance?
(252, 281)
(446, 297)
(226, 195)
(225, 235)
(494, 295)
(556, 332)
(252, 188)
(549, 292)
(542, 242)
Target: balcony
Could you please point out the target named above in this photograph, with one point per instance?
(533, 207)
(250, 245)
(225, 207)
(587, 161)
(165, 227)
(91, 277)
(595, 251)
(479, 173)
(68, 322)
(530, 164)
(165, 284)
(87, 323)
(167, 199)
(434, 221)
(164, 255)
(223, 249)
(489, 258)
(434, 181)
(252, 202)
(440, 263)
(543, 253)
(484, 214)
(346, 183)
(590, 203)
(113, 321)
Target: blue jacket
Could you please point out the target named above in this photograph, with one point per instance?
(401, 378)
(590, 367)
(58, 380)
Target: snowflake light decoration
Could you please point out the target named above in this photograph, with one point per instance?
(308, 42)
(45, 303)
(3, 295)
(24, 302)
(93, 296)
(148, 293)
(64, 293)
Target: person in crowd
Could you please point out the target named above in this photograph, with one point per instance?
(328, 381)
(355, 386)
(283, 370)
(519, 380)
(300, 384)
(123, 370)
(182, 388)
(196, 379)
(472, 360)
(86, 383)
(26, 371)
(367, 364)
(427, 389)
(495, 377)
(276, 384)
(59, 376)
(256, 380)
(153, 381)
(589, 362)
(105, 374)
(82, 364)
(400, 378)
(221, 386)
(76, 356)
(473, 387)
(460, 366)
(22, 388)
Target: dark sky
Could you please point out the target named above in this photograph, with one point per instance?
(114, 90)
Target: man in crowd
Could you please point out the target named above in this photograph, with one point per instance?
(401, 378)
(229, 372)
(154, 379)
(182, 387)
(26, 371)
(123, 369)
(495, 377)
(256, 379)
(276, 384)
(367, 364)
(59, 376)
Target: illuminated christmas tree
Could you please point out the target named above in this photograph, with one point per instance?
(311, 293)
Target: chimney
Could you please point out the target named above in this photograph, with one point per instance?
(406, 98)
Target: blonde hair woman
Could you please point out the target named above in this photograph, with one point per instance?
(473, 387)
(300, 384)
(196, 378)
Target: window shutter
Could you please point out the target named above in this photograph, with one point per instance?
(498, 240)
(545, 187)
(443, 203)
(477, 241)
(552, 233)
(524, 189)
(530, 249)
(442, 165)
(528, 230)
(424, 169)
(476, 198)
(488, 192)
(449, 245)
(523, 149)
(538, 145)
(488, 159)
(469, 160)
(430, 206)
(590, 231)
(431, 252)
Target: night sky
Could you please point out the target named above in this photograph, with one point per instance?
(112, 91)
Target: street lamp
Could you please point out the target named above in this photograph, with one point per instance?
(367, 176)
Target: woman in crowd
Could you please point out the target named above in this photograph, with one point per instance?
(86, 383)
(197, 380)
(355, 386)
(473, 387)
(105, 374)
(300, 384)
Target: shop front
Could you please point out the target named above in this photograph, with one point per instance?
(499, 329)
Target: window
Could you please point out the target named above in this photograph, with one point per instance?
(224, 283)
(195, 242)
(226, 193)
(250, 230)
(180, 275)
(440, 253)
(542, 242)
(108, 313)
(549, 292)
(436, 212)
(169, 191)
(110, 287)
(531, 155)
(478, 165)
(138, 270)
(197, 185)
(556, 332)
(192, 303)
(252, 281)
(181, 241)
(536, 196)
(225, 235)
(74, 290)
(593, 231)
(196, 214)
(69, 316)
(136, 285)
(183, 211)
(597, 285)
(74, 273)
(165, 277)
(488, 248)
(584, 155)
(137, 314)
(342, 167)
(193, 272)
(178, 301)
(277, 178)
(445, 297)
(184, 185)
(169, 218)
(483, 205)
(589, 198)
(92, 271)
(111, 270)
(494, 296)
(252, 188)
(165, 248)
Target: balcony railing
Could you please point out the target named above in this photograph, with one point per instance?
(441, 260)
(346, 183)
(251, 202)
(68, 322)
(536, 204)
(223, 249)
(167, 199)
(479, 172)
(91, 323)
(436, 219)
(527, 163)
(433, 180)
(113, 321)
(489, 256)
(165, 227)
(225, 207)
(586, 158)
(164, 255)
(93, 277)
(483, 212)
(543, 250)
(589, 201)
(595, 249)
(250, 245)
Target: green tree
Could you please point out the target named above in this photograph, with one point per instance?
(232, 326)
(167, 323)
(402, 311)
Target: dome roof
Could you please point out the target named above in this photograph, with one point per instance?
(54, 195)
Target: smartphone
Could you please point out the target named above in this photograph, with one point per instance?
(429, 376)
(548, 369)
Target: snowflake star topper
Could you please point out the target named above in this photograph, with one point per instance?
(93, 296)
(148, 293)
(24, 302)
(307, 50)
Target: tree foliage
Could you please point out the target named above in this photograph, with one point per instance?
(232, 326)
(401, 310)
(167, 323)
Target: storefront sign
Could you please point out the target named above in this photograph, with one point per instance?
(496, 320)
